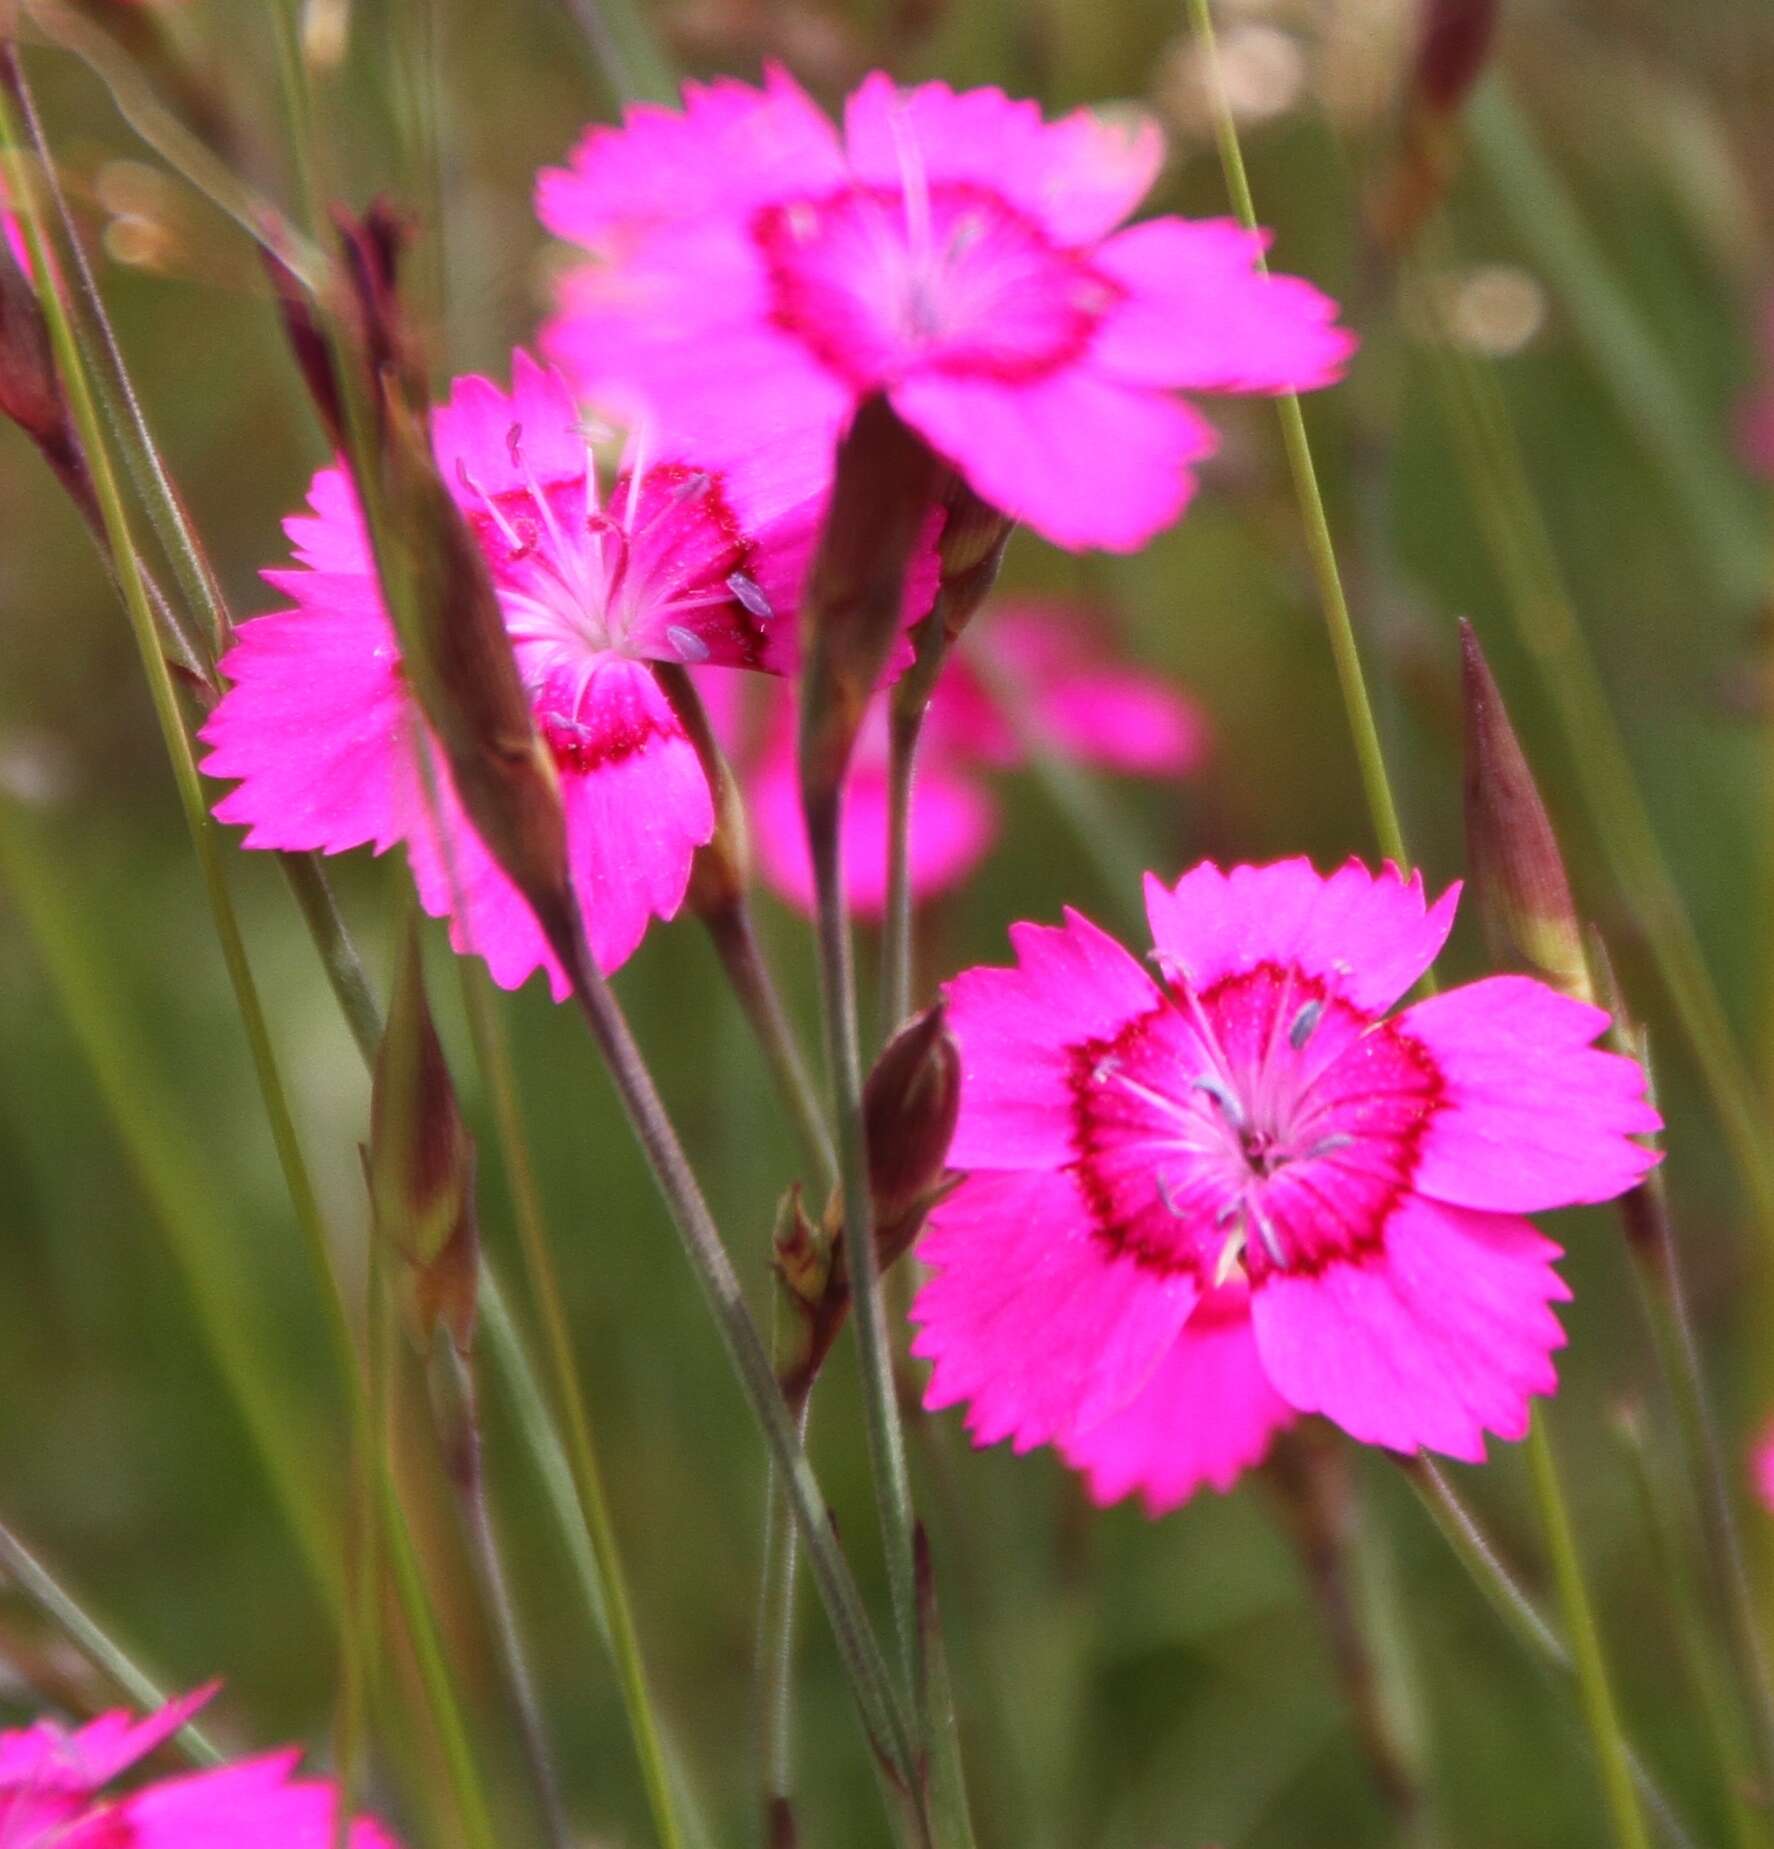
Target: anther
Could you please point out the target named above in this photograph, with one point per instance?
(1271, 1240)
(1304, 1023)
(750, 596)
(1222, 1095)
(1230, 1254)
(690, 647)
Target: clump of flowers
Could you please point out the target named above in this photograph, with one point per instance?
(1206, 1196)
(757, 268)
(52, 1782)
(1062, 689)
(682, 560)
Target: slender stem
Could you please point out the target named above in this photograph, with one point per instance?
(456, 1403)
(1600, 1710)
(434, 1672)
(883, 1713)
(1504, 1593)
(736, 943)
(76, 386)
(494, 1059)
(28, 1573)
(905, 730)
(1707, 1676)
(1322, 552)
(141, 454)
(623, 51)
(726, 915)
(886, 1440)
(1651, 1235)
(1313, 1489)
(776, 1651)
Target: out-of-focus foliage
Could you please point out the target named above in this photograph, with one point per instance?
(1123, 1683)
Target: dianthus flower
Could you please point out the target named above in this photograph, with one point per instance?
(682, 561)
(953, 251)
(1204, 1198)
(51, 1780)
(1072, 698)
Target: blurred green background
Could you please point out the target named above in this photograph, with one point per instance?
(1124, 1684)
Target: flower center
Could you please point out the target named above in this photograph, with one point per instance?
(658, 573)
(1260, 1125)
(881, 282)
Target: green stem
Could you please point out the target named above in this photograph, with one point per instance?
(886, 1440)
(883, 1713)
(1599, 1708)
(1505, 1595)
(776, 1651)
(1689, 1622)
(494, 1059)
(28, 1573)
(456, 1404)
(1364, 733)
(908, 704)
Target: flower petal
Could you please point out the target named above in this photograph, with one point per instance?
(637, 807)
(1032, 1320)
(1439, 1337)
(1019, 1029)
(312, 728)
(1207, 1414)
(255, 1801)
(1532, 1115)
(1367, 936)
(1198, 313)
(1077, 177)
(1083, 459)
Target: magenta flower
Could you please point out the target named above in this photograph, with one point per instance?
(1076, 699)
(1204, 1200)
(680, 562)
(954, 251)
(50, 1781)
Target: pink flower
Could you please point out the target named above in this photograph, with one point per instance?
(952, 250)
(680, 562)
(1076, 701)
(50, 1781)
(1204, 1200)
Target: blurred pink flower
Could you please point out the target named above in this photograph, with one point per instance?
(1077, 702)
(952, 250)
(678, 563)
(1202, 1202)
(50, 1780)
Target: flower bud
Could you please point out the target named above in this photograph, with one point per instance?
(458, 656)
(421, 1161)
(811, 1297)
(295, 309)
(1518, 875)
(910, 1104)
(971, 549)
(1455, 41)
(855, 594)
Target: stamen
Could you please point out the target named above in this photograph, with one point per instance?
(494, 511)
(749, 594)
(1222, 1095)
(914, 181)
(514, 443)
(1168, 1196)
(690, 647)
(1271, 1240)
(1304, 1023)
(1328, 1145)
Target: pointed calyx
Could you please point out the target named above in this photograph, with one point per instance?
(909, 1105)
(1520, 886)
(855, 595)
(421, 1162)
